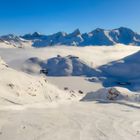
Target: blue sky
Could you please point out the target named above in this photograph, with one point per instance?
(50, 16)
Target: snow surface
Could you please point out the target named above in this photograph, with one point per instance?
(125, 70)
(77, 121)
(21, 88)
(40, 107)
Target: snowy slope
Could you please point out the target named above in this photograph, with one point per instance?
(124, 72)
(21, 88)
(13, 41)
(59, 66)
(29, 107)
(104, 94)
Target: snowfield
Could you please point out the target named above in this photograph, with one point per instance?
(90, 93)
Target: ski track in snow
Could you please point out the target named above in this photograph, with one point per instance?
(77, 121)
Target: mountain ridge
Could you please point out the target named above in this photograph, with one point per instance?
(97, 37)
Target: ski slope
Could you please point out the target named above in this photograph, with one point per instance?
(38, 107)
(77, 121)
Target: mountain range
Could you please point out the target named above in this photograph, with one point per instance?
(97, 37)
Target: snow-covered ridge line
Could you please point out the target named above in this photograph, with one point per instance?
(97, 37)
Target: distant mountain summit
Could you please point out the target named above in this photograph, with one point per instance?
(97, 37)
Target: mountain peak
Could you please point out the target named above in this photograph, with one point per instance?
(75, 32)
(125, 29)
(9, 37)
(60, 34)
(97, 30)
(36, 34)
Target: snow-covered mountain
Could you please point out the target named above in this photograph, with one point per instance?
(59, 66)
(14, 41)
(123, 72)
(97, 37)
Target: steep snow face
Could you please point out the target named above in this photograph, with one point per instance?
(125, 36)
(21, 88)
(97, 37)
(125, 72)
(73, 39)
(59, 66)
(123, 67)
